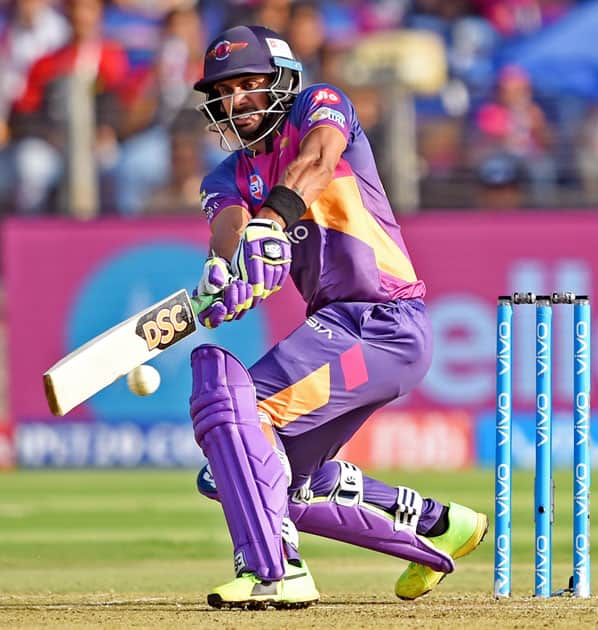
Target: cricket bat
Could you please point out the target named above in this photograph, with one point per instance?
(114, 353)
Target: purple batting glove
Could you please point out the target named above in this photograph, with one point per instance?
(237, 299)
(263, 257)
(216, 275)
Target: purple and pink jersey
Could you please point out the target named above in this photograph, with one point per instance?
(367, 338)
(347, 247)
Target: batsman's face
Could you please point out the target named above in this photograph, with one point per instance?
(244, 102)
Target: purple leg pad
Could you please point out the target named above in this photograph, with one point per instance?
(251, 482)
(207, 487)
(360, 524)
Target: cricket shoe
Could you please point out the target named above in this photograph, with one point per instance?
(296, 590)
(465, 532)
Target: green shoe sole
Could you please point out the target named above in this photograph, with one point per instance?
(246, 592)
(215, 601)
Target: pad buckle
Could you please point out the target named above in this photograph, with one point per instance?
(349, 489)
(409, 508)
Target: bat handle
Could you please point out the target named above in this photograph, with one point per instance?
(201, 302)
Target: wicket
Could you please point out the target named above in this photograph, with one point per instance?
(544, 484)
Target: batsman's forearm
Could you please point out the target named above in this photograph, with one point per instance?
(310, 173)
(308, 177)
(227, 229)
(268, 213)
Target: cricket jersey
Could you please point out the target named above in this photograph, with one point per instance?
(347, 247)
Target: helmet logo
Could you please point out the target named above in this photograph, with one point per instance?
(223, 49)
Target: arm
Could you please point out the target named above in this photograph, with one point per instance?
(227, 229)
(263, 256)
(312, 170)
(235, 294)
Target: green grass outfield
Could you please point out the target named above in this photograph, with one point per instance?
(104, 535)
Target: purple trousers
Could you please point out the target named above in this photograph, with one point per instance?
(322, 382)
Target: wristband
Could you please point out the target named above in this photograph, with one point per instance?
(286, 203)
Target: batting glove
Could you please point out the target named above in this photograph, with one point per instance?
(263, 257)
(216, 275)
(235, 295)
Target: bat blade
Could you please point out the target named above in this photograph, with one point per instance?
(114, 353)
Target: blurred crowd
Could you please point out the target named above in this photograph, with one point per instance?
(95, 97)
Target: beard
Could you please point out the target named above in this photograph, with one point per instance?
(253, 132)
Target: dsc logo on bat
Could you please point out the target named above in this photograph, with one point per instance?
(166, 324)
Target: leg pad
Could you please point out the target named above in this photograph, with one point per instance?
(251, 481)
(317, 510)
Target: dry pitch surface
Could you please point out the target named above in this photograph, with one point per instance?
(341, 610)
(139, 549)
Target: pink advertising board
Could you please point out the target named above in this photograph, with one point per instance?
(67, 281)
(467, 260)
(49, 265)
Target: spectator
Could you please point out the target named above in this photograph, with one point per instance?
(500, 183)
(333, 61)
(587, 155)
(275, 14)
(306, 36)
(368, 105)
(40, 118)
(135, 25)
(517, 18)
(33, 29)
(381, 15)
(157, 100)
(516, 125)
(470, 55)
(181, 193)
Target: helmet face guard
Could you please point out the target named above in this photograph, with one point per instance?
(285, 85)
(243, 51)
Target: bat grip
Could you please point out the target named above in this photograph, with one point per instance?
(201, 302)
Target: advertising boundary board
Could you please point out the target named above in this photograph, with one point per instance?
(95, 274)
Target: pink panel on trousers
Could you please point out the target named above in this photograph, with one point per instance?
(354, 368)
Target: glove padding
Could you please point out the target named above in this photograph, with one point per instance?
(263, 257)
(216, 275)
(237, 299)
(236, 295)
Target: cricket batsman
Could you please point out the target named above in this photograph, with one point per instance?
(300, 195)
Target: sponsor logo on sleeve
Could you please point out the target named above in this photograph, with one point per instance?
(326, 96)
(256, 187)
(325, 113)
(204, 200)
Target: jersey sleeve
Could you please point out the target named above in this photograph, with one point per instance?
(324, 105)
(219, 189)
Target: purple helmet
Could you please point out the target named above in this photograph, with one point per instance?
(246, 50)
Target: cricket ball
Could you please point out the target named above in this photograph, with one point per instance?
(143, 380)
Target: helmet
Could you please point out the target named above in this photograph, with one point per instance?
(244, 50)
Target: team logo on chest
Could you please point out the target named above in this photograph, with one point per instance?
(256, 187)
